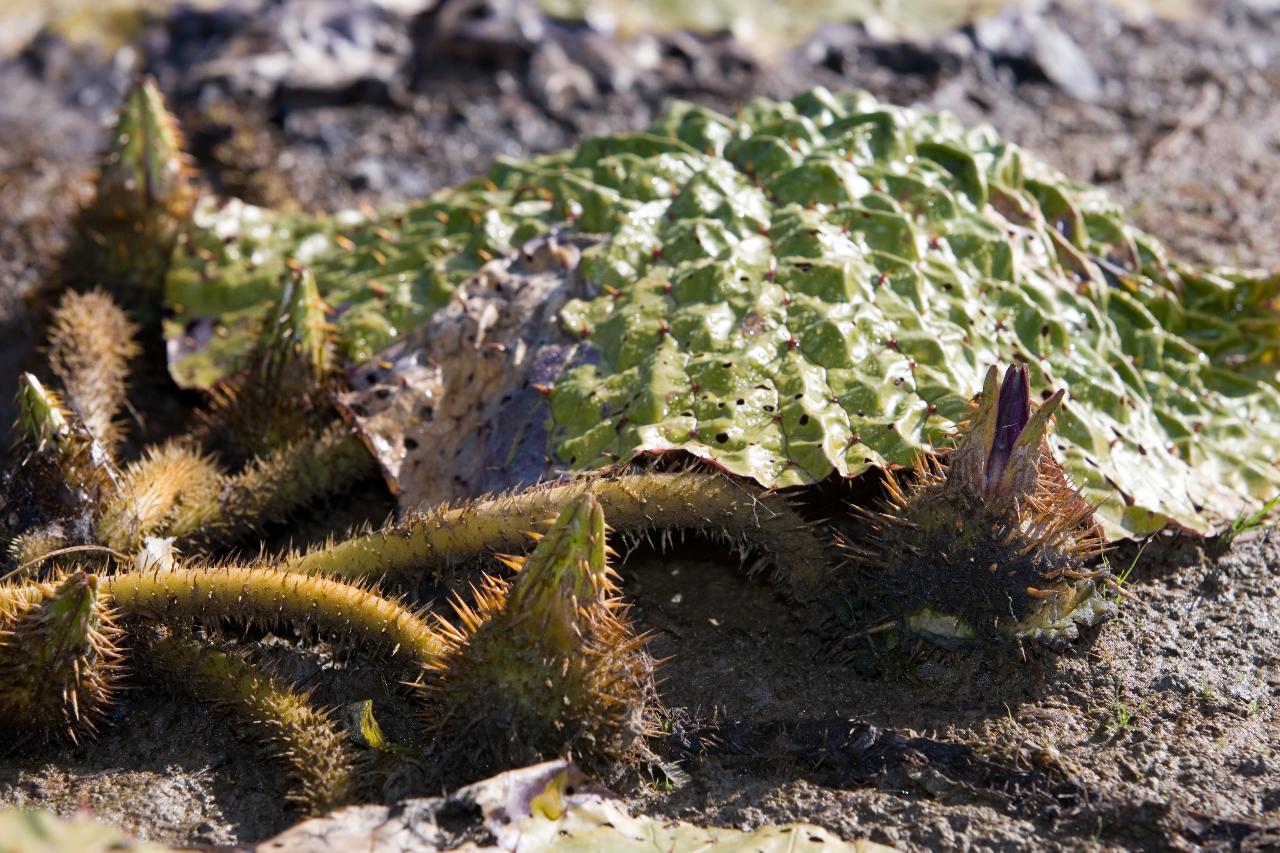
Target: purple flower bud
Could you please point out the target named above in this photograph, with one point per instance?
(1012, 413)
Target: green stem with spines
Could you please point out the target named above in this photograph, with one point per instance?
(634, 504)
(274, 485)
(209, 595)
(323, 766)
(169, 490)
(178, 492)
(91, 341)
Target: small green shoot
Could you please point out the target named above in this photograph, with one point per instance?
(1119, 582)
(1122, 715)
(1245, 522)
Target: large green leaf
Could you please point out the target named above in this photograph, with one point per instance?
(814, 286)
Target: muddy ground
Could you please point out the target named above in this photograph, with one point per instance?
(1157, 732)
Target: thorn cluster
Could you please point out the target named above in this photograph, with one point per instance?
(545, 665)
(988, 541)
(59, 657)
(144, 196)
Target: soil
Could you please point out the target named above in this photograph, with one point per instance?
(1157, 731)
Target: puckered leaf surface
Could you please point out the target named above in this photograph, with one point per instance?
(811, 287)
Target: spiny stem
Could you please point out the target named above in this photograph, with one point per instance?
(168, 492)
(635, 504)
(209, 595)
(274, 485)
(90, 344)
(176, 491)
(322, 763)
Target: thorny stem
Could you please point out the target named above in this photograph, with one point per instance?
(322, 762)
(90, 344)
(274, 485)
(209, 595)
(634, 504)
(180, 493)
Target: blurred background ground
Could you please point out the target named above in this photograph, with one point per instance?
(320, 104)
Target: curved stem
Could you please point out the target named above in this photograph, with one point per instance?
(177, 491)
(208, 595)
(323, 766)
(763, 523)
(274, 485)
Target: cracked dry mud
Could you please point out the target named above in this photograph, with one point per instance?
(1156, 731)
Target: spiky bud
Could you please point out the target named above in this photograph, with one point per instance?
(144, 198)
(58, 446)
(545, 665)
(170, 491)
(90, 344)
(296, 349)
(281, 396)
(989, 541)
(59, 660)
(42, 421)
